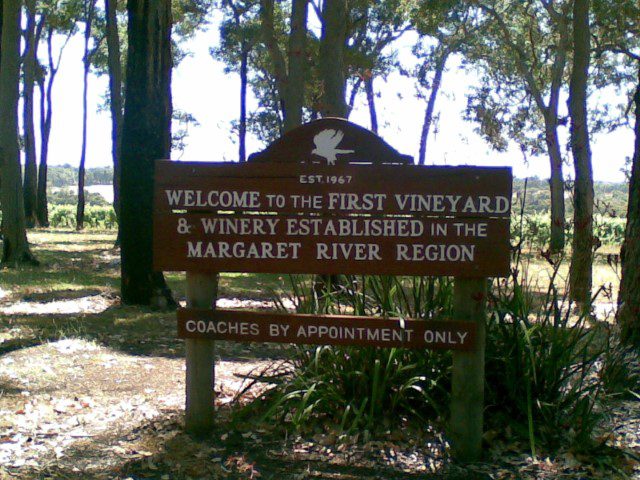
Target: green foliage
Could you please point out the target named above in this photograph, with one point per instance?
(540, 362)
(610, 197)
(364, 389)
(241, 27)
(98, 218)
(68, 197)
(535, 230)
(544, 378)
(620, 372)
(521, 55)
(180, 130)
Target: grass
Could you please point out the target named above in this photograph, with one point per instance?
(539, 271)
(81, 264)
(69, 263)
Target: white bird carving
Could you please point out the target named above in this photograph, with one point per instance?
(326, 142)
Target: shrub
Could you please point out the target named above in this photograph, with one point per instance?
(102, 218)
(541, 364)
(620, 371)
(66, 196)
(535, 230)
(364, 389)
(540, 367)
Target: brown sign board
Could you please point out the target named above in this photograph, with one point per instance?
(245, 326)
(344, 218)
(355, 144)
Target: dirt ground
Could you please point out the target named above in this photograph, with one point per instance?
(90, 389)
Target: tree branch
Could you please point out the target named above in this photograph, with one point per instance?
(520, 56)
(270, 41)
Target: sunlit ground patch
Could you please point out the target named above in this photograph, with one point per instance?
(89, 304)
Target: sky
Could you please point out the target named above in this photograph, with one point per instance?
(201, 88)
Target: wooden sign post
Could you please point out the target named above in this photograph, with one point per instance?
(333, 198)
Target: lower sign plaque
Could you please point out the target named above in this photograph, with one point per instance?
(245, 326)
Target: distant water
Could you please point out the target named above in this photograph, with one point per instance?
(105, 191)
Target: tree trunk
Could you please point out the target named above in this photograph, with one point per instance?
(42, 207)
(297, 60)
(88, 19)
(556, 185)
(146, 137)
(242, 127)
(332, 101)
(629, 297)
(371, 101)
(15, 249)
(245, 47)
(46, 116)
(30, 169)
(289, 75)
(1, 16)
(115, 95)
(431, 105)
(331, 61)
(355, 89)
(580, 278)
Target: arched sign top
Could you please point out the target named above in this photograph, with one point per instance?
(331, 141)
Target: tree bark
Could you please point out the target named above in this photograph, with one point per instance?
(115, 95)
(146, 137)
(297, 65)
(549, 110)
(15, 248)
(88, 20)
(371, 102)
(431, 105)
(42, 207)
(242, 126)
(290, 73)
(1, 16)
(245, 48)
(629, 297)
(46, 116)
(556, 184)
(331, 61)
(355, 89)
(580, 278)
(30, 188)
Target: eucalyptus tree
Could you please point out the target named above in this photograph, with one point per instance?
(243, 50)
(239, 38)
(523, 55)
(616, 33)
(331, 62)
(32, 34)
(88, 18)
(15, 249)
(114, 66)
(269, 44)
(146, 137)
(629, 297)
(290, 67)
(444, 28)
(580, 280)
(61, 19)
(372, 27)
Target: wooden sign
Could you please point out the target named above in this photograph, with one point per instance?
(244, 326)
(330, 197)
(332, 219)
